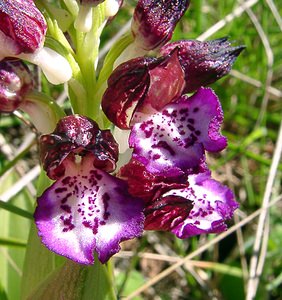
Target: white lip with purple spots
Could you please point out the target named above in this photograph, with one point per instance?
(85, 211)
(175, 139)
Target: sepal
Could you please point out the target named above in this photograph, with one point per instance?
(77, 135)
(204, 62)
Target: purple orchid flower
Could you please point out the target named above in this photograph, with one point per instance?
(185, 205)
(174, 139)
(146, 83)
(154, 21)
(86, 209)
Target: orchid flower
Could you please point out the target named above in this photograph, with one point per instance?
(170, 133)
(169, 166)
(144, 82)
(22, 34)
(86, 209)
(185, 205)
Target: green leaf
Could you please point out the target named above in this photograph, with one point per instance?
(3, 295)
(76, 282)
(134, 281)
(13, 231)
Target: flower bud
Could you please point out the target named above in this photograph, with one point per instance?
(15, 82)
(84, 18)
(154, 21)
(22, 35)
(77, 135)
(204, 62)
(22, 28)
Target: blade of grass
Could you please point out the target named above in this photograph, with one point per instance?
(16, 210)
(12, 242)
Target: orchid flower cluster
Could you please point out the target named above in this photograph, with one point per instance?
(132, 156)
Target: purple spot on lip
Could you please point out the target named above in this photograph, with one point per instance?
(66, 180)
(66, 208)
(183, 110)
(60, 190)
(164, 145)
(65, 199)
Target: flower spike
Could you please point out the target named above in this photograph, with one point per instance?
(203, 62)
(154, 21)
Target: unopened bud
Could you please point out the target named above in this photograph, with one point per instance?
(154, 21)
(15, 82)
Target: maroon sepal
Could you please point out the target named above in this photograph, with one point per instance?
(145, 185)
(204, 62)
(77, 135)
(166, 213)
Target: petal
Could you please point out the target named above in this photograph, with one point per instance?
(166, 84)
(87, 210)
(127, 86)
(77, 134)
(204, 62)
(167, 212)
(154, 21)
(213, 205)
(173, 140)
(146, 185)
